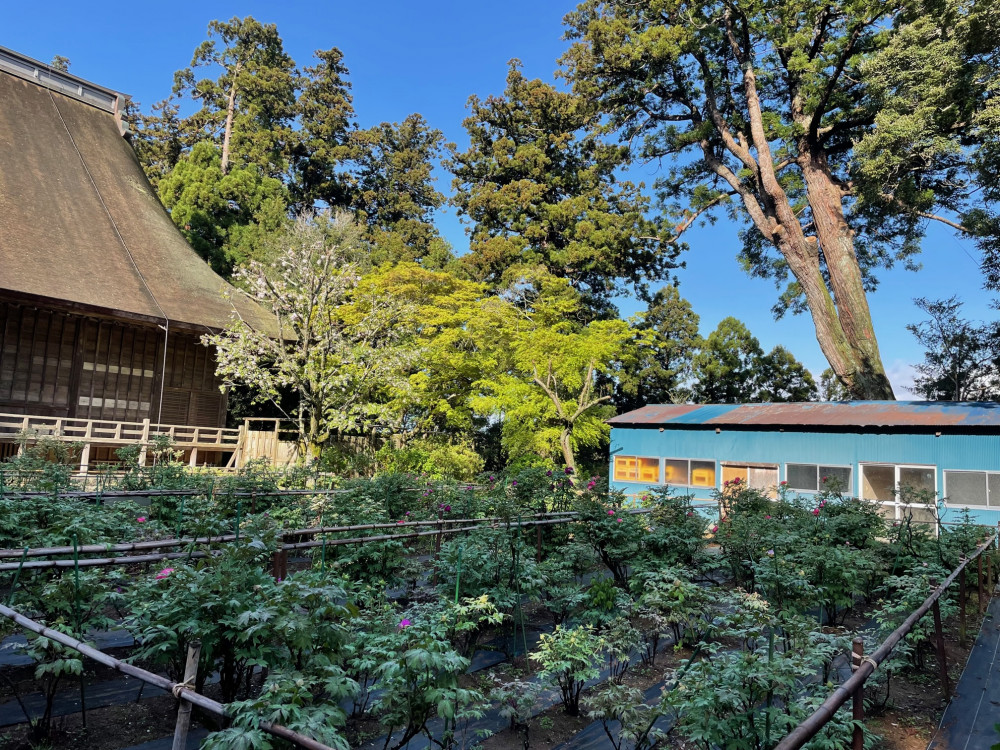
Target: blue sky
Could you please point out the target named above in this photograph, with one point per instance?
(429, 57)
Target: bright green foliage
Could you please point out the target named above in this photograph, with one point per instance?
(540, 192)
(340, 347)
(548, 392)
(226, 216)
(568, 658)
(731, 368)
(656, 369)
(462, 334)
(394, 193)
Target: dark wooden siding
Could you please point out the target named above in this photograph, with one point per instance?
(59, 364)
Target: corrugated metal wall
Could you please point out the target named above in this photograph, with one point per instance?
(948, 452)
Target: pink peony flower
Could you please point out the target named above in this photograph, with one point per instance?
(164, 573)
(714, 529)
(815, 511)
(141, 519)
(611, 512)
(619, 520)
(404, 623)
(783, 484)
(767, 518)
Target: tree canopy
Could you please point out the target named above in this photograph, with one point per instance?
(823, 126)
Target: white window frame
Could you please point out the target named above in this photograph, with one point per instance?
(950, 504)
(715, 472)
(895, 503)
(754, 465)
(849, 489)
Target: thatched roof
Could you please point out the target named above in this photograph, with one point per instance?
(80, 226)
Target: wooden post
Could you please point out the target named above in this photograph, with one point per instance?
(144, 442)
(184, 709)
(85, 451)
(982, 595)
(962, 596)
(939, 643)
(193, 462)
(858, 737)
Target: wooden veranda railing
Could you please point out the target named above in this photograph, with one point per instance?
(109, 433)
(865, 666)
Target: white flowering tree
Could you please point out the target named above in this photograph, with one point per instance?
(343, 349)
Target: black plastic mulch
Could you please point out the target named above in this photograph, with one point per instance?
(969, 722)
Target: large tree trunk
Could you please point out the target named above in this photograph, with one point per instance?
(230, 111)
(842, 319)
(567, 449)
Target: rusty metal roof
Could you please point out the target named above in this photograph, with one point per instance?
(81, 226)
(818, 415)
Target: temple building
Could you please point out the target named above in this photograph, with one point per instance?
(102, 301)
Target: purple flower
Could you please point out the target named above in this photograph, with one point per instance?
(514, 483)
(770, 553)
(569, 469)
(548, 473)
(447, 509)
(404, 623)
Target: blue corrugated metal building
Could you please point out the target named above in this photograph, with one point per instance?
(869, 449)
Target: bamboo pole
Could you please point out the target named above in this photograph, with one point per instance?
(942, 658)
(858, 709)
(184, 709)
(190, 696)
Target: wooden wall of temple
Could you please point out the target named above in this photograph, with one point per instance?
(54, 363)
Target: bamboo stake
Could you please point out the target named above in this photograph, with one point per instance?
(184, 710)
(858, 736)
(939, 645)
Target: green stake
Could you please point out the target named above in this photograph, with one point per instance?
(79, 625)
(180, 517)
(458, 574)
(17, 575)
(239, 512)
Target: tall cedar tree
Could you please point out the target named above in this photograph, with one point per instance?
(394, 194)
(732, 368)
(776, 112)
(659, 365)
(539, 191)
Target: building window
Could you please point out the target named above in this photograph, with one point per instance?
(763, 477)
(683, 472)
(637, 469)
(980, 488)
(902, 489)
(816, 477)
